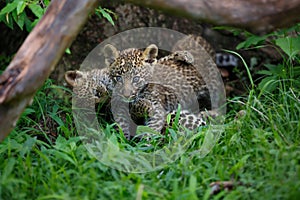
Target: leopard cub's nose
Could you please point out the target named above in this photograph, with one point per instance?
(127, 93)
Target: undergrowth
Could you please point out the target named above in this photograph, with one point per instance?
(258, 149)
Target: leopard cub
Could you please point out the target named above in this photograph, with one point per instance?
(149, 98)
(144, 90)
(95, 84)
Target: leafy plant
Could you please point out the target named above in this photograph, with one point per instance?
(259, 150)
(287, 42)
(50, 113)
(286, 74)
(28, 12)
(106, 13)
(23, 12)
(289, 45)
(277, 37)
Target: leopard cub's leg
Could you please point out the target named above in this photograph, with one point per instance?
(157, 117)
(192, 121)
(187, 119)
(122, 117)
(152, 112)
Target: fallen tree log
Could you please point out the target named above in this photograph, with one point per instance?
(258, 16)
(38, 56)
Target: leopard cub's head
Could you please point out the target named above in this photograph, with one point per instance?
(94, 84)
(130, 69)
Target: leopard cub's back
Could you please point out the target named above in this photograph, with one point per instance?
(177, 70)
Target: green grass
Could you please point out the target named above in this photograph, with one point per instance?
(45, 157)
(261, 149)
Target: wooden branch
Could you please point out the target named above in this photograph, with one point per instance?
(258, 16)
(38, 56)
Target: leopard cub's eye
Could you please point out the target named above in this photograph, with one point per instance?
(135, 79)
(118, 78)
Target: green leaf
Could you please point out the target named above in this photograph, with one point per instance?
(193, 184)
(28, 146)
(107, 16)
(145, 129)
(46, 2)
(168, 118)
(64, 156)
(57, 119)
(241, 45)
(268, 84)
(9, 7)
(28, 111)
(233, 30)
(253, 40)
(177, 116)
(9, 21)
(34, 22)
(2, 18)
(7, 171)
(277, 70)
(264, 72)
(28, 24)
(21, 20)
(290, 45)
(270, 66)
(173, 134)
(37, 10)
(239, 165)
(14, 15)
(21, 6)
(296, 70)
(68, 51)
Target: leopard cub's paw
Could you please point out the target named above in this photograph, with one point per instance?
(184, 56)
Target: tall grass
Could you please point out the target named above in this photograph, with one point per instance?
(260, 149)
(44, 158)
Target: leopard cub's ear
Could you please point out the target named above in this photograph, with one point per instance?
(70, 77)
(150, 53)
(110, 53)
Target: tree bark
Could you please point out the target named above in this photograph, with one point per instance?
(258, 16)
(38, 56)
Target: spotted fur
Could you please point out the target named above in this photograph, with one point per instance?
(204, 61)
(95, 84)
(145, 90)
(154, 88)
